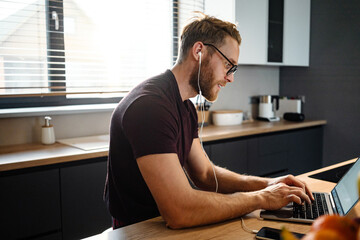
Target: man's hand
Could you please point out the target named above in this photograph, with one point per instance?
(278, 195)
(290, 180)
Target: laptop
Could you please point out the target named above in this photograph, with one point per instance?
(341, 200)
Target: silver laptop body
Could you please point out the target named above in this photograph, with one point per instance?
(341, 200)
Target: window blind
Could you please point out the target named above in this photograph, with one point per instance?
(183, 11)
(78, 48)
(23, 47)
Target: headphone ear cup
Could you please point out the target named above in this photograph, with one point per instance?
(200, 56)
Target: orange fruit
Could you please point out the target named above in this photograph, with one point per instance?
(343, 226)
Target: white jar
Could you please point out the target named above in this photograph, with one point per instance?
(47, 132)
(227, 117)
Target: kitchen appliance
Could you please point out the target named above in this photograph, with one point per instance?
(294, 117)
(290, 105)
(268, 104)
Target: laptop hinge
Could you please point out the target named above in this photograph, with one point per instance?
(332, 203)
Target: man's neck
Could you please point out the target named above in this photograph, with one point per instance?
(182, 74)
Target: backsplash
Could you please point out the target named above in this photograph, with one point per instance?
(249, 81)
(28, 129)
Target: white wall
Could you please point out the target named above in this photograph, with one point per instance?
(250, 81)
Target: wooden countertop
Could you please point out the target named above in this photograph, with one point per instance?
(32, 155)
(155, 228)
(211, 133)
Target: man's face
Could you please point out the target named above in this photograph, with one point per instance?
(207, 80)
(213, 70)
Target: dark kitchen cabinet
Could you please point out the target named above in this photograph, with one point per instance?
(305, 150)
(62, 201)
(30, 205)
(83, 209)
(270, 155)
(230, 154)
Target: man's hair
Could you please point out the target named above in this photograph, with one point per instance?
(206, 29)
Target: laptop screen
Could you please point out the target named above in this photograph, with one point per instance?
(345, 193)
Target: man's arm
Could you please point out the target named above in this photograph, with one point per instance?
(201, 172)
(182, 206)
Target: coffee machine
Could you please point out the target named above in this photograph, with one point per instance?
(268, 104)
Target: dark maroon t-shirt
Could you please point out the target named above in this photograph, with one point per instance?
(151, 119)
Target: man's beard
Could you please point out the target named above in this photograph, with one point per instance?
(206, 81)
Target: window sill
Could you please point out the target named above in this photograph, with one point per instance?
(56, 110)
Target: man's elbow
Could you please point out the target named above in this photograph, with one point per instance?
(176, 219)
(175, 224)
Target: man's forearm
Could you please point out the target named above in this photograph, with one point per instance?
(231, 182)
(201, 207)
(209, 207)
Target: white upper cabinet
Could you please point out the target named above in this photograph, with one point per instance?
(274, 32)
(252, 21)
(296, 32)
(222, 9)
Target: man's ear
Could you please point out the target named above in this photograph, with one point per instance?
(196, 49)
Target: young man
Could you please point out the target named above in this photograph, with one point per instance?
(154, 138)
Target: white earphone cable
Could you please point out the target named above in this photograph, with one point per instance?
(246, 228)
(202, 113)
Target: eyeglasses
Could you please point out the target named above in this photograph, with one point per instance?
(233, 67)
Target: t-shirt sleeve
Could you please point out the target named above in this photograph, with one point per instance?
(150, 127)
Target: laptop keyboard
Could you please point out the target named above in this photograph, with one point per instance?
(311, 211)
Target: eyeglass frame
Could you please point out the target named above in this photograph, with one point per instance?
(233, 68)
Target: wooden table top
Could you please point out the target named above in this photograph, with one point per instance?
(36, 154)
(155, 228)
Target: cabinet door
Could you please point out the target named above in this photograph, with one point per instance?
(224, 10)
(30, 205)
(296, 32)
(83, 209)
(231, 155)
(268, 155)
(305, 150)
(252, 19)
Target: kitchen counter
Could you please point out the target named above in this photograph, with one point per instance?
(32, 155)
(212, 133)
